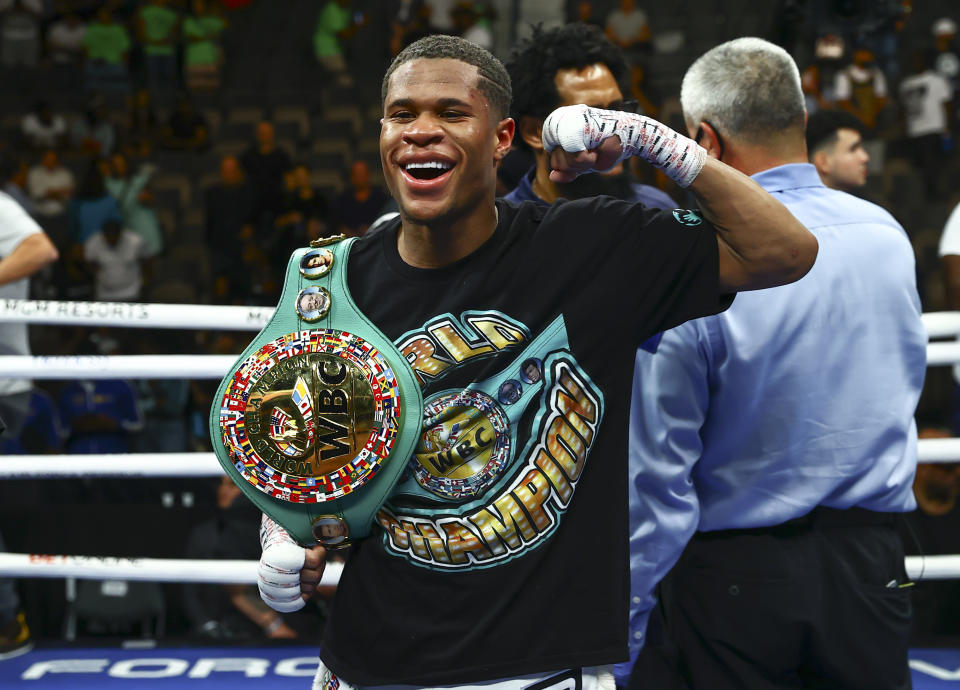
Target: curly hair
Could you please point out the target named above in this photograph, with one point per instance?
(493, 80)
(535, 62)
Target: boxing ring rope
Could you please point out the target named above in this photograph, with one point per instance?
(942, 324)
(135, 315)
(135, 465)
(132, 465)
(142, 569)
(117, 366)
(127, 465)
(184, 570)
(214, 366)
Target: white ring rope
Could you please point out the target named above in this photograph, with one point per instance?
(245, 572)
(129, 465)
(191, 316)
(215, 366)
(116, 366)
(942, 324)
(135, 315)
(141, 569)
(933, 567)
(938, 450)
(929, 450)
(943, 354)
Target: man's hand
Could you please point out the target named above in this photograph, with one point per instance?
(566, 166)
(288, 574)
(313, 566)
(582, 139)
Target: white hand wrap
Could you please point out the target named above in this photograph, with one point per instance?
(581, 128)
(278, 576)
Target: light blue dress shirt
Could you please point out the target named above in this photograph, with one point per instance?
(797, 396)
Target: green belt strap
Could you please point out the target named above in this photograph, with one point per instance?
(316, 420)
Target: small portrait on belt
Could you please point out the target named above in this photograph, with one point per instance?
(509, 391)
(330, 531)
(316, 263)
(313, 303)
(531, 371)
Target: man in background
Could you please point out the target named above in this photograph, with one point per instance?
(567, 65)
(835, 147)
(355, 209)
(928, 110)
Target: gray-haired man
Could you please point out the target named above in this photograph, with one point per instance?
(778, 437)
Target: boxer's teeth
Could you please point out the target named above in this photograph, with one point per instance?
(427, 169)
(429, 164)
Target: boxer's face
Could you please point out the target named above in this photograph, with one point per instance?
(440, 141)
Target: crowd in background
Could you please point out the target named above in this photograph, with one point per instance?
(145, 140)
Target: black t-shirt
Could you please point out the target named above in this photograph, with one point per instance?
(504, 549)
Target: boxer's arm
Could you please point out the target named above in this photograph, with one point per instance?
(761, 244)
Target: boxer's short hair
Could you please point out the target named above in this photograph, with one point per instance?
(747, 88)
(493, 81)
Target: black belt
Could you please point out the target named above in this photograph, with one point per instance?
(819, 517)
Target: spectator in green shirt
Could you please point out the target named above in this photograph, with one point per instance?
(203, 55)
(158, 28)
(135, 200)
(337, 22)
(107, 46)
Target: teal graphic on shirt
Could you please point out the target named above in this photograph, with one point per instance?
(472, 496)
(689, 218)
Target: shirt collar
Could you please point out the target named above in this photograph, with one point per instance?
(790, 176)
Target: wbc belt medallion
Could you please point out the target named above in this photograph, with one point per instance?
(306, 418)
(311, 416)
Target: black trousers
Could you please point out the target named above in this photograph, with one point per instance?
(817, 602)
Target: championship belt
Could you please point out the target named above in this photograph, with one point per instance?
(316, 420)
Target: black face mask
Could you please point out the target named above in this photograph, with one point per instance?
(594, 184)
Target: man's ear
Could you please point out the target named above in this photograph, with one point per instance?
(821, 161)
(531, 131)
(506, 129)
(707, 138)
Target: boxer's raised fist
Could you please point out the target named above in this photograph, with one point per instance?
(582, 139)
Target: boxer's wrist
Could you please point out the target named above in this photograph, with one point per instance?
(278, 574)
(580, 127)
(271, 533)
